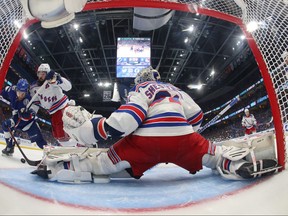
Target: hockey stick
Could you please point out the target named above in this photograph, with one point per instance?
(232, 103)
(36, 94)
(4, 100)
(30, 162)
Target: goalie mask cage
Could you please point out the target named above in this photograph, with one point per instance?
(267, 43)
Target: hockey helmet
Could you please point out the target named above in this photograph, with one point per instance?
(147, 74)
(246, 110)
(44, 68)
(22, 85)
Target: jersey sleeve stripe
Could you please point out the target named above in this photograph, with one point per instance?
(134, 110)
(101, 129)
(196, 119)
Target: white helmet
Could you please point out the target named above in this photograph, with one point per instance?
(246, 110)
(44, 67)
(147, 74)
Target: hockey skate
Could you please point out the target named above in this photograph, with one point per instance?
(8, 151)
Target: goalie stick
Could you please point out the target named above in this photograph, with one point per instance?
(232, 103)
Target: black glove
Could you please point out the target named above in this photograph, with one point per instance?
(50, 75)
(58, 79)
(26, 116)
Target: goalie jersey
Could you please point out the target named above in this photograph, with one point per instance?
(157, 109)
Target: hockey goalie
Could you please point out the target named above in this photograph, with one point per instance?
(158, 124)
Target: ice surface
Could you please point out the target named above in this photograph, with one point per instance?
(165, 189)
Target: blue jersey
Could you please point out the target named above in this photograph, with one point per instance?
(18, 106)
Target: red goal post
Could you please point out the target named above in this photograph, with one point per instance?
(267, 43)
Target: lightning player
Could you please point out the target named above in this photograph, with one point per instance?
(21, 119)
(249, 122)
(159, 124)
(53, 100)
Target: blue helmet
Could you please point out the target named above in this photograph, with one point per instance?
(22, 85)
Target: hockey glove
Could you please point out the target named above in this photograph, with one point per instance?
(26, 116)
(8, 123)
(53, 77)
(58, 79)
(50, 75)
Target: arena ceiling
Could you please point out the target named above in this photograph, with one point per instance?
(213, 45)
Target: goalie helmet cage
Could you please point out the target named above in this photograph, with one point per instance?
(267, 43)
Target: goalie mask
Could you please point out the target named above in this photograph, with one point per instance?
(147, 74)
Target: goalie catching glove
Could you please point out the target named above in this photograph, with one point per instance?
(83, 126)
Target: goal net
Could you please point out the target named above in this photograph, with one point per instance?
(268, 42)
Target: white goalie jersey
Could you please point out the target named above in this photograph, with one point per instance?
(144, 113)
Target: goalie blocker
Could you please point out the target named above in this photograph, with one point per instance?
(235, 159)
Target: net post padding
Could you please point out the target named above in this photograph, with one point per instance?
(11, 52)
(275, 109)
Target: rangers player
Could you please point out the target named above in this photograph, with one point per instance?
(53, 100)
(249, 122)
(159, 124)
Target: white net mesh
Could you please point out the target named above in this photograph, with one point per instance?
(11, 18)
(271, 38)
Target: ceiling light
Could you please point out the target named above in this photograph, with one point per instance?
(242, 37)
(192, 86)
(76, 26)
(186, 40)
(212, 72)
(190, 29)
(81, 40)
(25, 35)
(86, 95)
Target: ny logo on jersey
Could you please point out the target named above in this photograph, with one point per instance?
(48, 99)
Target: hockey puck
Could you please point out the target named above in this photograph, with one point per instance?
(23, 160)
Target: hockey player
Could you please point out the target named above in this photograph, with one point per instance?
(53, 100)
(249, 122)
(21, 119)
(159, 124)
